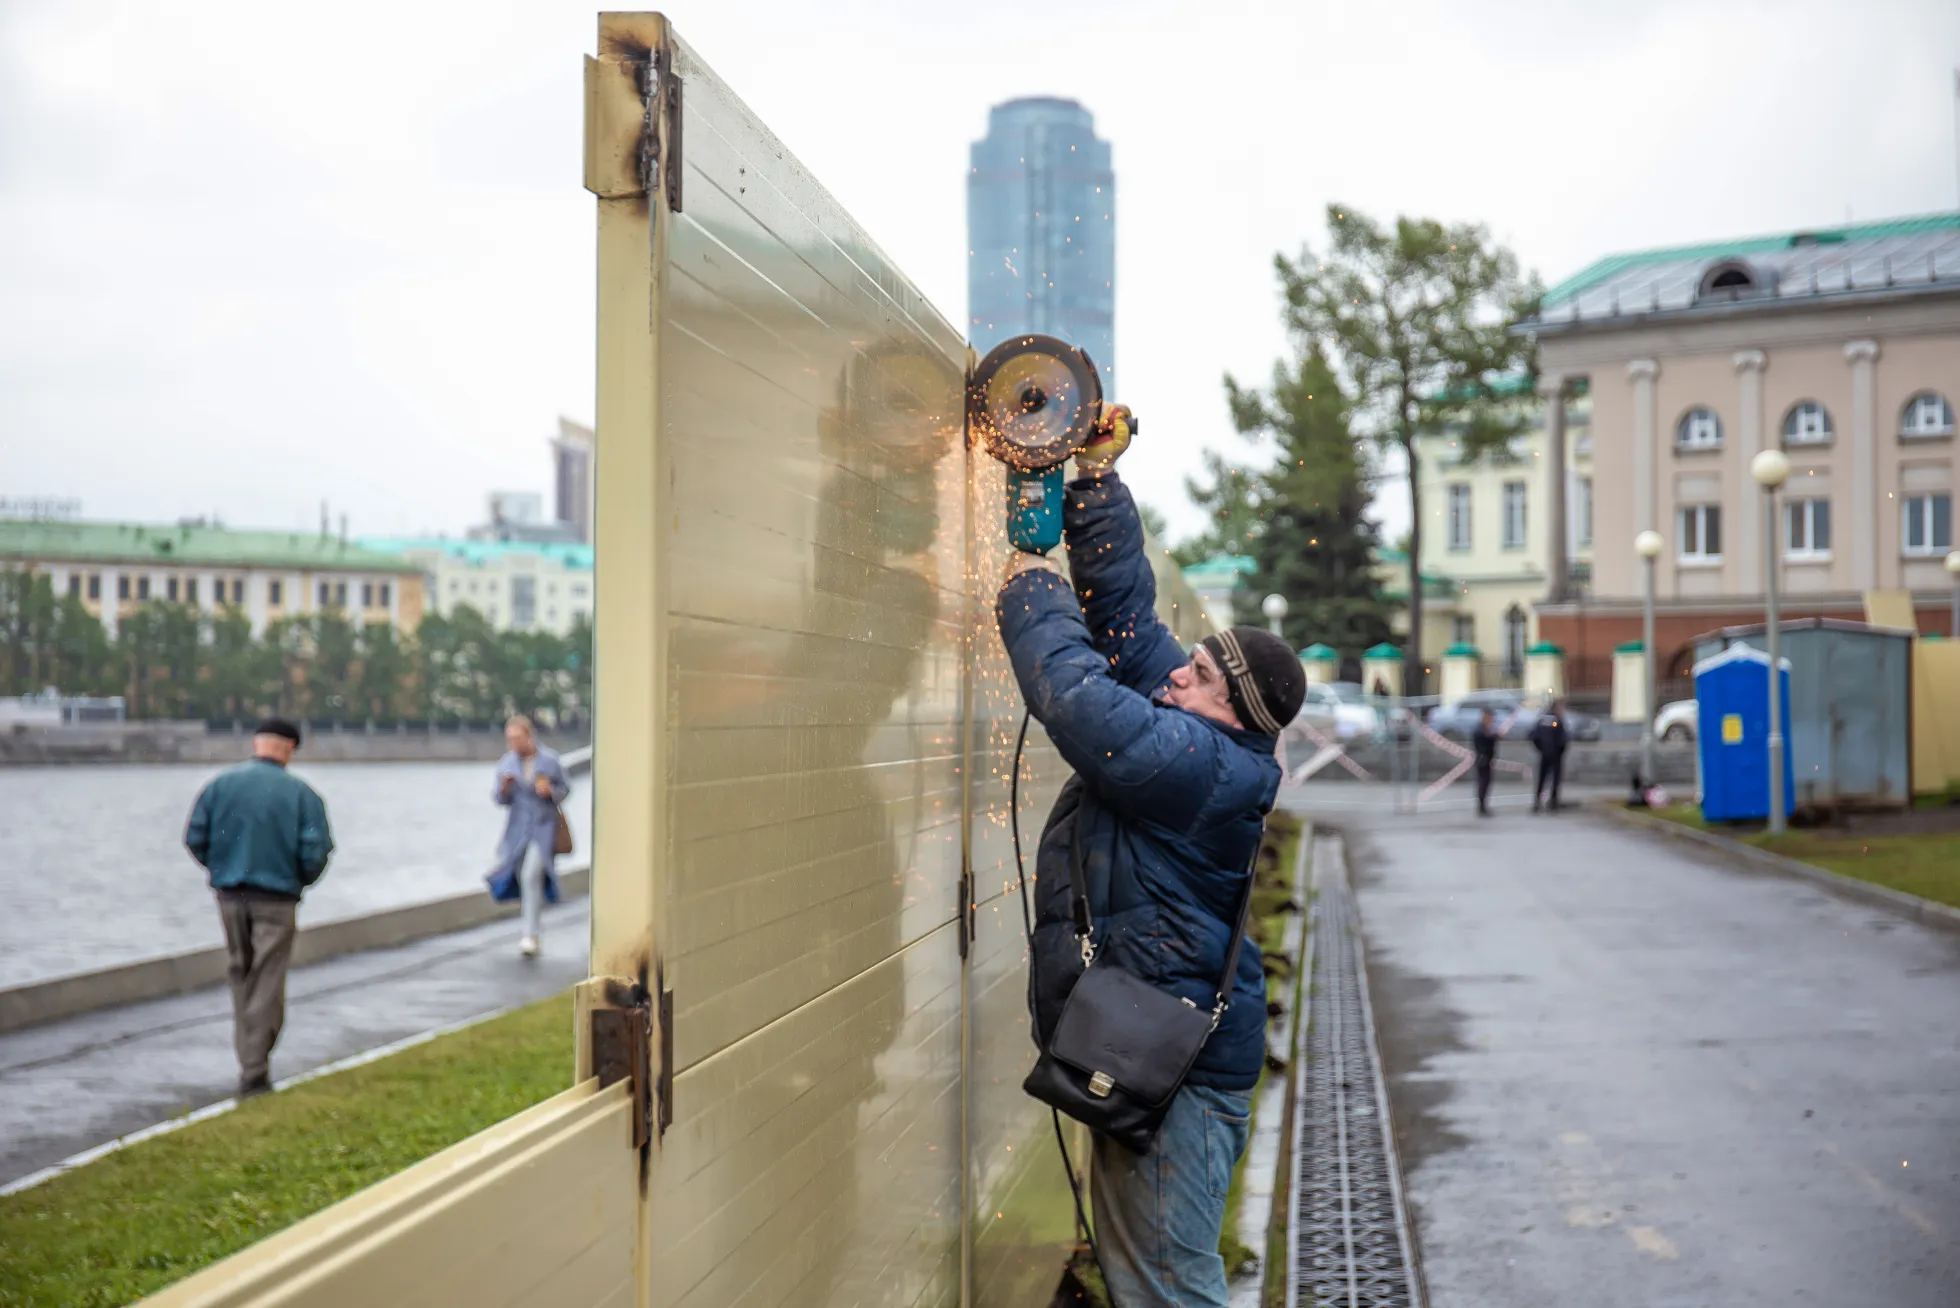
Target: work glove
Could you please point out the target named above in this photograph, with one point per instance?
(1020, 561)
(1112, 436)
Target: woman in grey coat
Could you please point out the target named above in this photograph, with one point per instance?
(531, 784)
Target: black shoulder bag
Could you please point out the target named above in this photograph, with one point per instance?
(1123, 1047)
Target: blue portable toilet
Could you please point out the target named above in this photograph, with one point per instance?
(1732, 698)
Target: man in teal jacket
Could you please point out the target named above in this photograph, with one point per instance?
(262, 834)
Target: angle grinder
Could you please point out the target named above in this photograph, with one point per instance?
(1035, 402)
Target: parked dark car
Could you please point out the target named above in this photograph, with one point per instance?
(1513, 716)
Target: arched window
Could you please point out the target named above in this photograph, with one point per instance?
(1699, 429)
(1926, 414)
(1808, 423)
(1731, 279)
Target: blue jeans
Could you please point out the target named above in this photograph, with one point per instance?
(1157, 1217)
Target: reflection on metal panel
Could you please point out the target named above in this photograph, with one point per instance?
(816, 611)
(557, 1178)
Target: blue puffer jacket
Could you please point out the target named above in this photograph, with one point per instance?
(1172, 803)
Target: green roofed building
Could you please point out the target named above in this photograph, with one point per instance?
(516, 585)
(113, 567)
(1839, 346)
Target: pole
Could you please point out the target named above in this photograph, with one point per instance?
(1956, 607)
(1647, 648)
(1773, 634)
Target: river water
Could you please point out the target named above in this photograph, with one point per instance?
(93, 871)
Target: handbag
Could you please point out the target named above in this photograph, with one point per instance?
(1122, 1047)
(561, 842)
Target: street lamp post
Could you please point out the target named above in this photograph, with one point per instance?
(1771, 469)
(1648, 545)
(1274, 607)
(1953, 571)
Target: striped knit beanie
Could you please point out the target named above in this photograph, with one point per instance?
(1263, 674)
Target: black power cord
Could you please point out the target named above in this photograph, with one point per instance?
(1027, 918)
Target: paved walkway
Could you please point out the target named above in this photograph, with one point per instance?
(72, 1085)
(1625, 1072)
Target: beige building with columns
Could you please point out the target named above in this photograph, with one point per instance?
(1840, 346)
(1488, 528)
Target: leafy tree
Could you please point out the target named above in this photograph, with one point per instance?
(1234, 500)
(242, 675)
(160, 646)
(1414, 319)
(1315, 544)
(381, 686)
(173, 660)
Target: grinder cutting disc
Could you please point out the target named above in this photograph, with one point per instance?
(1034, 400)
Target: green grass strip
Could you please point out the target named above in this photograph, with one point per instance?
(1926, 864)
(132, 1222)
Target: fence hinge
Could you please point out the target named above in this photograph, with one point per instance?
(620, 1040)
(967, 924)
(663, 105)
(665, 1098)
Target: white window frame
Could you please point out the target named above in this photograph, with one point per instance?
(1700, 428)
(1930, 544)
(1582, 530)
(1801, 546)
(1458, 498)
(1699, 514)
(1516, 504)
(1926, 415)
(1808, 423)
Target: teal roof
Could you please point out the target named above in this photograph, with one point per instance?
(476, 553)
(156, 545)
(1898, 254)
(1221, 566)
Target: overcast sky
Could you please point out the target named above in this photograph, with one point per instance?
(255, 256)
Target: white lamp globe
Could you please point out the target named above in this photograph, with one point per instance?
(1648, 544)
(1273, 606)
(1953, 564)
(1771, 469)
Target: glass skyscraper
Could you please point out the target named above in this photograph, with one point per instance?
(1041, 231)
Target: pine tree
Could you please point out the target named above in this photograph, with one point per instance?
(1314, 543)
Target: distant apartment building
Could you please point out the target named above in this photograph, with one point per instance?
(1486, 534)
(572, 484)
(115, 567)
(1041, 230)
(1840, 346)
(515, 585)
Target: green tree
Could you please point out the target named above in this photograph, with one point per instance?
(330, 669)
(27, 620)
(381, 687)
(161, 646)
(1234, 504)
(1415, 319)
(578, 667)
(241, 673)
(1315, 544)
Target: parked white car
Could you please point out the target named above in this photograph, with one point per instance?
(1679, 721)
(1342, 709)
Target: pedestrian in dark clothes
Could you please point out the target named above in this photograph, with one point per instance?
(1484, 741)
(262, 835)
(1550, 736)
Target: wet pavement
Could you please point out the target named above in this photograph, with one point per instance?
(73, 1085)
(1625, 1072)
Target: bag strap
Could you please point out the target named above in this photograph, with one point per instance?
(1078, 881)
(1238, 932)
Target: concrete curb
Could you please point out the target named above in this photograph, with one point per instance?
(174, 974)
(1931, 912)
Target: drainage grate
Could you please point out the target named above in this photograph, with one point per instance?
(1350, 1236)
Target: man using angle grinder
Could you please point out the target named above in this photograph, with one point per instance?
(1149, 1006)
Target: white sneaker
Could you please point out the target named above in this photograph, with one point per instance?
(528, 946)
